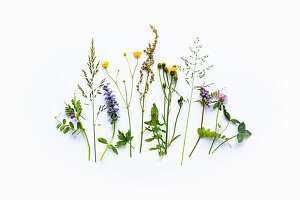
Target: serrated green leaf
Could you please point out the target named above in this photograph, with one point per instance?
(242, 127)
(235, 121)
(240, 137)
(58, 125)
(102, 140)
(113, 148)
(71, 125)
(247, 133)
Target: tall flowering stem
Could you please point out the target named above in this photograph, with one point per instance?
(93, 91)
(205, 101)
(112, 110)
(126, 100)
(146, 67)
(193, 71)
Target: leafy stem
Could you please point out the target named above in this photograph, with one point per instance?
(109, 144)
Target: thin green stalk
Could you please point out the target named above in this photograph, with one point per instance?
(175, 125)
(201, 127)
(168, 114)
(88, 144)
(187, 120)
(212, 144)
(94, 131)
(143, 111)
(116, 83)
(223, 143)
(109, 142)
(128, 113)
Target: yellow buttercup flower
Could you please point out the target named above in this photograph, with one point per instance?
(105, 64)
(137, 54)
(172, 69)
(125, 54)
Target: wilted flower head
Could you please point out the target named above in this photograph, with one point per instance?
(221, 97)
(72, 115)
(111, 103)
(205, 96)
(137, 54)
(105, 64)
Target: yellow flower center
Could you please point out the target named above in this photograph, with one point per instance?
(105, 64)
(137, 54)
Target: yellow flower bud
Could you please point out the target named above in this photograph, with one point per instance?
(105, 64)
(125, 54)
(137, 54)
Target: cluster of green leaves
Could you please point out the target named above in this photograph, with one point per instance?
(124, 139)
(242, 132)
(154, 126)
(112, 147)
(202, 132)
(67, 124)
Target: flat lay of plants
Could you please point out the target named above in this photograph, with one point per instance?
(158, 120)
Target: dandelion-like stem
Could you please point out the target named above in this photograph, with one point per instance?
(201, 127)
(109, 141)
(212, 144)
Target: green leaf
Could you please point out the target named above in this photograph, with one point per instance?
(58, 125)
(64, 121)
(113, 148)
(121, 143)
(153, 148)
(149, 139)
(79, 125)
(235, 121)
(247, 133)
(71, 125)
(102, 140)
(62, 128)
(227, 115)
(216, 105)
(242, 127)
(240, 137)
(66, 130)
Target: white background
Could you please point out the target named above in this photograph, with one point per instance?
(254, 46)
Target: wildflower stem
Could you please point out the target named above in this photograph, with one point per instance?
(168, 113)
(190, 102)
(132, 77)
(109, 142)
(116, 83)
(223, 143)
(87, 140)
(94, 131)
(143, 111)
(201, 127)
(212, 144)
(128, 113)
(175, 125)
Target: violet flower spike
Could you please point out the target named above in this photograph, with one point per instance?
(205, 96)
(111, 103)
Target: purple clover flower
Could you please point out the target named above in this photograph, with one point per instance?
(221, 97)
(111, 103)
(205, 96)
(72, 115)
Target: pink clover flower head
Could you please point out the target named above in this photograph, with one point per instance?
(221, 97)
(72, 115)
